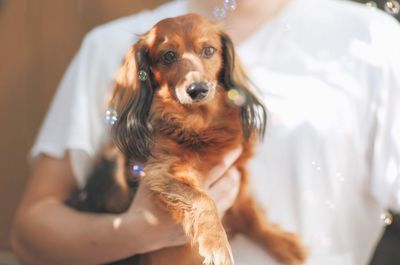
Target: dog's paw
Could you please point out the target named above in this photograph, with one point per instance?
(216, 250)
(288, 249)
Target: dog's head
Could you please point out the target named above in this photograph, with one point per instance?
(181, 70)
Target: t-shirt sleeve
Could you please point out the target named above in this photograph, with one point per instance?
(386, 145)
(74, 120)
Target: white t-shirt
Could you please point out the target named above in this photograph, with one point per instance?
(329, 72)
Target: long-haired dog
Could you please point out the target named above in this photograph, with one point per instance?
(175, 117)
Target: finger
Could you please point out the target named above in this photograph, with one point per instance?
(178, 241)
(219, 170)
(225, 190)
(171, 241)
(177, 237)
(230, 180)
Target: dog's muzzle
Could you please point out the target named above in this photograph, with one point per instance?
(198, 91)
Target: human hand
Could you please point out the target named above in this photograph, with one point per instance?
(159, 230)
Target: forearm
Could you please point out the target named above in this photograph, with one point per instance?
(52, 233)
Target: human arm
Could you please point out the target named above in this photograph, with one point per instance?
(46, 231)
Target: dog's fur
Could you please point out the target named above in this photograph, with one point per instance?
(179, 141)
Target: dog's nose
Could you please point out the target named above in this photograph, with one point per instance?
(197, 91)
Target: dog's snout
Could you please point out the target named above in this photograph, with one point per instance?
(197, 91)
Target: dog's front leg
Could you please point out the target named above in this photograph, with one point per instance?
(181, 193)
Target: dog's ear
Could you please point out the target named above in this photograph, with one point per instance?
(232, 76)
(132, 99)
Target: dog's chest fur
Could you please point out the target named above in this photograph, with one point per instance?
(212, 137)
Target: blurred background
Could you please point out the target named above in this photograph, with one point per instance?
(37, 40)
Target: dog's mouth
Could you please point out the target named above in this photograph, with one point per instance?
(196, 92)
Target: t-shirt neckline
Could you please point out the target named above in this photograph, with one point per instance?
(269, 25)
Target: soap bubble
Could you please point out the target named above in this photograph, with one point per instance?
(219, 12)
(392, 7)
(142, 75)
(138, 170)
(236, 97)
(371, 4)
(230, 5)
(387, 218)
(111, 117)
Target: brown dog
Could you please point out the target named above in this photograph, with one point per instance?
(176, 118)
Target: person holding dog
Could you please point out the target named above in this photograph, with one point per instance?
(327, 169)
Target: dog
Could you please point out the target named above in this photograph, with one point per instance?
(176, 117)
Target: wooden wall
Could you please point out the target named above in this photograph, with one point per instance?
(37, 40)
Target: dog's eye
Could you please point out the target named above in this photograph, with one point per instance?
(207, 52)
(169, 57)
